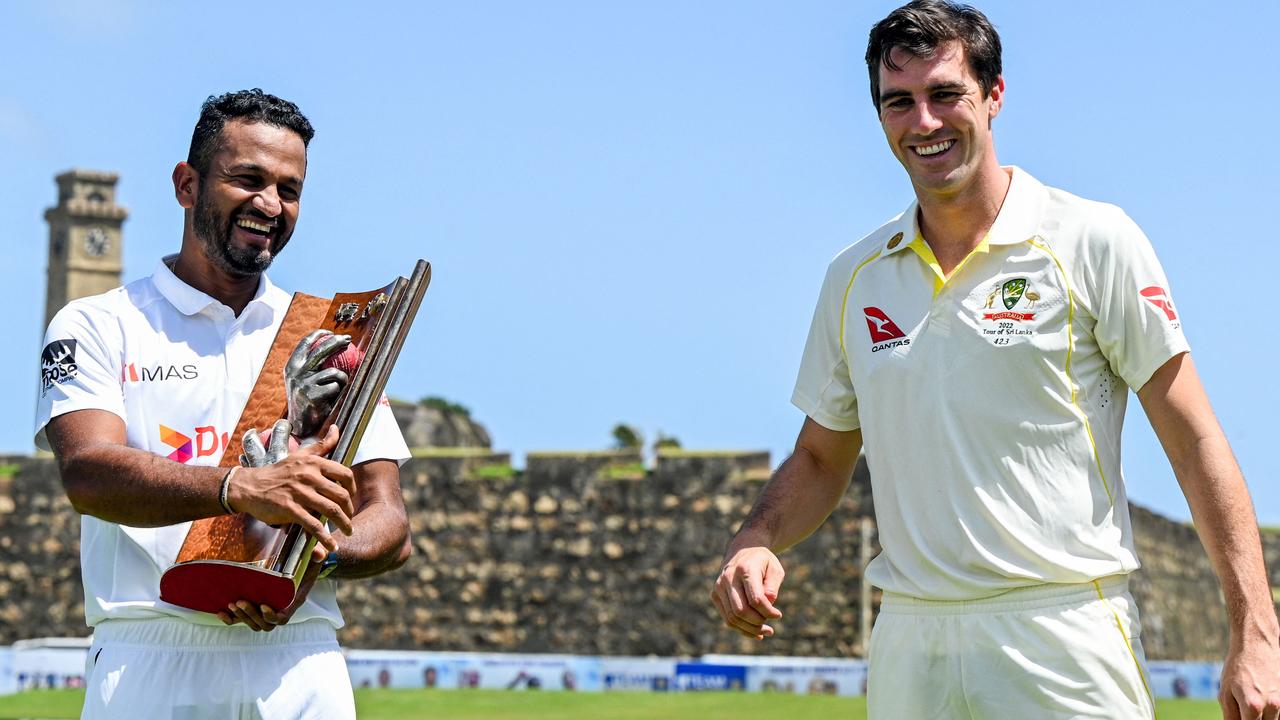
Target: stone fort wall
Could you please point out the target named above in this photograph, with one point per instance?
(588, 553)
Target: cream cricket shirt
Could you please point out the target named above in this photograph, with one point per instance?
(176, 366)
(991, 402)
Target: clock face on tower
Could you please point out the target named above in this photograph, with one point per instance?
(96, 242)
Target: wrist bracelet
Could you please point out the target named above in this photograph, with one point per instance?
(226, 485)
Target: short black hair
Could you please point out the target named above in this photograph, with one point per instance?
(921, 26)
(248, 105)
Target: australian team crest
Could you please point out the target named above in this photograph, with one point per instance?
(1011, 292)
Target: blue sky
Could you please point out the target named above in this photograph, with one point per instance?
(629, 207)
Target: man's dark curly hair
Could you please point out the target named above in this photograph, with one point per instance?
(921, 26)
(249, 106)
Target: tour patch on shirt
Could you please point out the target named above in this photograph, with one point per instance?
(57, 364)
(1010, 309)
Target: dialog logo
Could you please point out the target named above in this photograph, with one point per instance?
(207, 441)
(1157, 296)
(180, 443)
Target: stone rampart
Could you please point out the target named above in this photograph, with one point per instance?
(589, 553)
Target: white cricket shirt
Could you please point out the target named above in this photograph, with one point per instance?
(991, 402)
(177, 366)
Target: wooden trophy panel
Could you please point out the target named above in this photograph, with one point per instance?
(237, 557)
(241, 538)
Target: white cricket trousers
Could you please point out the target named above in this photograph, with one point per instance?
(168, 668)
(1050, 651)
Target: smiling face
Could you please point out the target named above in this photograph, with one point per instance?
(247, 205)
(938, 120)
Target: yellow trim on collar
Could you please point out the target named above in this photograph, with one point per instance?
(925, 253)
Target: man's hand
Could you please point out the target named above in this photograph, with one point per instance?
(312, 392)
(803, 492)
(1251, 682)
(1180, 413)
(746, 589)
(294, 487)
(264, 618)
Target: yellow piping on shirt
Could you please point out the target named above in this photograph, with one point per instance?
(1120, 626)
(845, 302)
(925, 252)
(1071, 346)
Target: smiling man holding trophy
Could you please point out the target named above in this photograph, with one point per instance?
(204, 583)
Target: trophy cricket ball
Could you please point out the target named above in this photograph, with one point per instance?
(265, 437)
(347, 361)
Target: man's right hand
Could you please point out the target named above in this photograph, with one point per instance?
(746, 589)
(805, 489)
(291, 488)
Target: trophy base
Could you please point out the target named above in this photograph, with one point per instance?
(211, 585)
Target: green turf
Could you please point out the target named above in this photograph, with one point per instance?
(42, 704)
(506, 705)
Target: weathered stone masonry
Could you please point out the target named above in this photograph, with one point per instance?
(584, 553)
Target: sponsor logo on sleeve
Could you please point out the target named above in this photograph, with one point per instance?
(1157, 296)
(885, 333)
(57, 364)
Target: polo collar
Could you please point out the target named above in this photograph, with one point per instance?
(903, 230)
(190, 301)
(1017, 221)
(1019, 217)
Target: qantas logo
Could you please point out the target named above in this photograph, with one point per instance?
(1158, 297)
(132, 373)
(885, 333)
(207, 441)
(881, 327)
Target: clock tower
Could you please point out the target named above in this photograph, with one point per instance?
(85, 238)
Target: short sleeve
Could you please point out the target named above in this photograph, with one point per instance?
(824, 390)
(79, 368)
(382, 438)
(1137, 328)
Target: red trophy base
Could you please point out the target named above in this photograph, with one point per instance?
(211, 585)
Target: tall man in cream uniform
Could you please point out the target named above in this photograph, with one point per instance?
(140, 387)
(979, 349)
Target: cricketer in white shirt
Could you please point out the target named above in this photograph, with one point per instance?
(991, 404)
(980, 348)
(176, 366)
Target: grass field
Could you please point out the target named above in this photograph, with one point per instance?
(506, 705)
